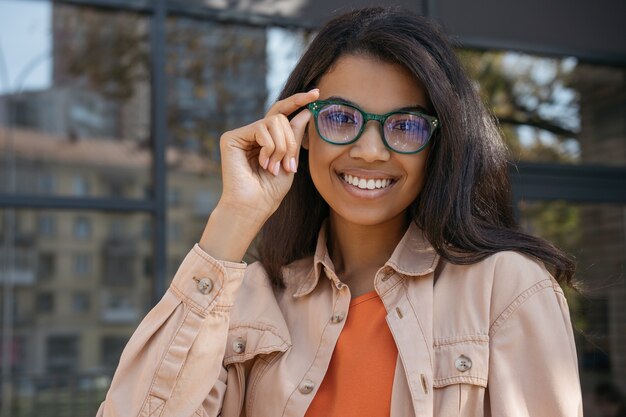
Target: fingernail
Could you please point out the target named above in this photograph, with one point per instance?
(292, 164)
(276, 168)
(316, 90)
(266, 163)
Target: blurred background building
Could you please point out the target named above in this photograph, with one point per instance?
(110, 117)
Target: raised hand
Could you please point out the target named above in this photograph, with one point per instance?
(258, 164)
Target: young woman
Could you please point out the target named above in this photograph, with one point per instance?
(392, 279)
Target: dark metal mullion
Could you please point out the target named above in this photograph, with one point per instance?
(429, 8)
(490, 43)
(572, 183)
(74, 203)
(143, 6)
(159, 142)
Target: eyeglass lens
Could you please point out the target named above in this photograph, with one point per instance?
(404, 132)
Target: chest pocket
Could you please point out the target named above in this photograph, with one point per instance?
(460, 375)
(245, 343)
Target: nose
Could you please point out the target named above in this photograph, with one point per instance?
(370, 146)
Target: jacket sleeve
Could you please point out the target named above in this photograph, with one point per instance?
(172, 365)
(533, 369)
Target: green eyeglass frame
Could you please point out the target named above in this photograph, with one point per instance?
(316, 106)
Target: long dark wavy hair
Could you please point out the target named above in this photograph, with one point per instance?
(465, 207)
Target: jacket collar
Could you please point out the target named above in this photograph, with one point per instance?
(414, 256)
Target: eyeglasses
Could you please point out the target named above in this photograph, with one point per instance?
(405, 132)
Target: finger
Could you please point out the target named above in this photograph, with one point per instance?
(264, 139)
(280, 144)
(298, 124)
(289, 161)
(293, 103)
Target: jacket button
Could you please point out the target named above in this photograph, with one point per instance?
(306, 387)
(337, 318)
(239, 345)
(205, 285)
(463, 363)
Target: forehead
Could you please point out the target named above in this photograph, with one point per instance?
(373, 84)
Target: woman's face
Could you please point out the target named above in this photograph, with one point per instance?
(378, 87)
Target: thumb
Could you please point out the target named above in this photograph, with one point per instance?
(299, 123)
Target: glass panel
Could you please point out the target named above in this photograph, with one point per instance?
(74, 101)
(595, 235)
(283, 50)
(220, 77)
(76, 299)
(554, 109)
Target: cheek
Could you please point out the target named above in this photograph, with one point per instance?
(416, 176)
(418, 167)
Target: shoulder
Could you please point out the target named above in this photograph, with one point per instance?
(501, 282)
(514, 274)
(517, 277)
(502, 272)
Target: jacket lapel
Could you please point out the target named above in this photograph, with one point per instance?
(406, 286)
(409, 316)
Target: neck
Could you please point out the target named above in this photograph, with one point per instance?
(355, 248)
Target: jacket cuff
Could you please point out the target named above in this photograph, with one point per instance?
(203, 282)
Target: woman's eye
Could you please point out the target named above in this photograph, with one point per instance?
(340, 117)
(409, 126)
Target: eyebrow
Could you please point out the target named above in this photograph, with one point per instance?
(417, 107)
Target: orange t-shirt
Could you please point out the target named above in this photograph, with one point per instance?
(360, 375)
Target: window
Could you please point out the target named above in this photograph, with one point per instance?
(80, 186)
(44, 302)
(118, 307)
(118, 270)
(80, 302)
(117, 229)
(46, 184)
(82, 263)
(112, 347)
(61, 354)
(82, 227)
(46, 225)
(46, 266)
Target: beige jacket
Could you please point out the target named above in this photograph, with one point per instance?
(489, 339)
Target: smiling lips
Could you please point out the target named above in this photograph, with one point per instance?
(366, 184)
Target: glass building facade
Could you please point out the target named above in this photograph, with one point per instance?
(110, 118)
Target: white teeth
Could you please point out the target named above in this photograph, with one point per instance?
(364, 184)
